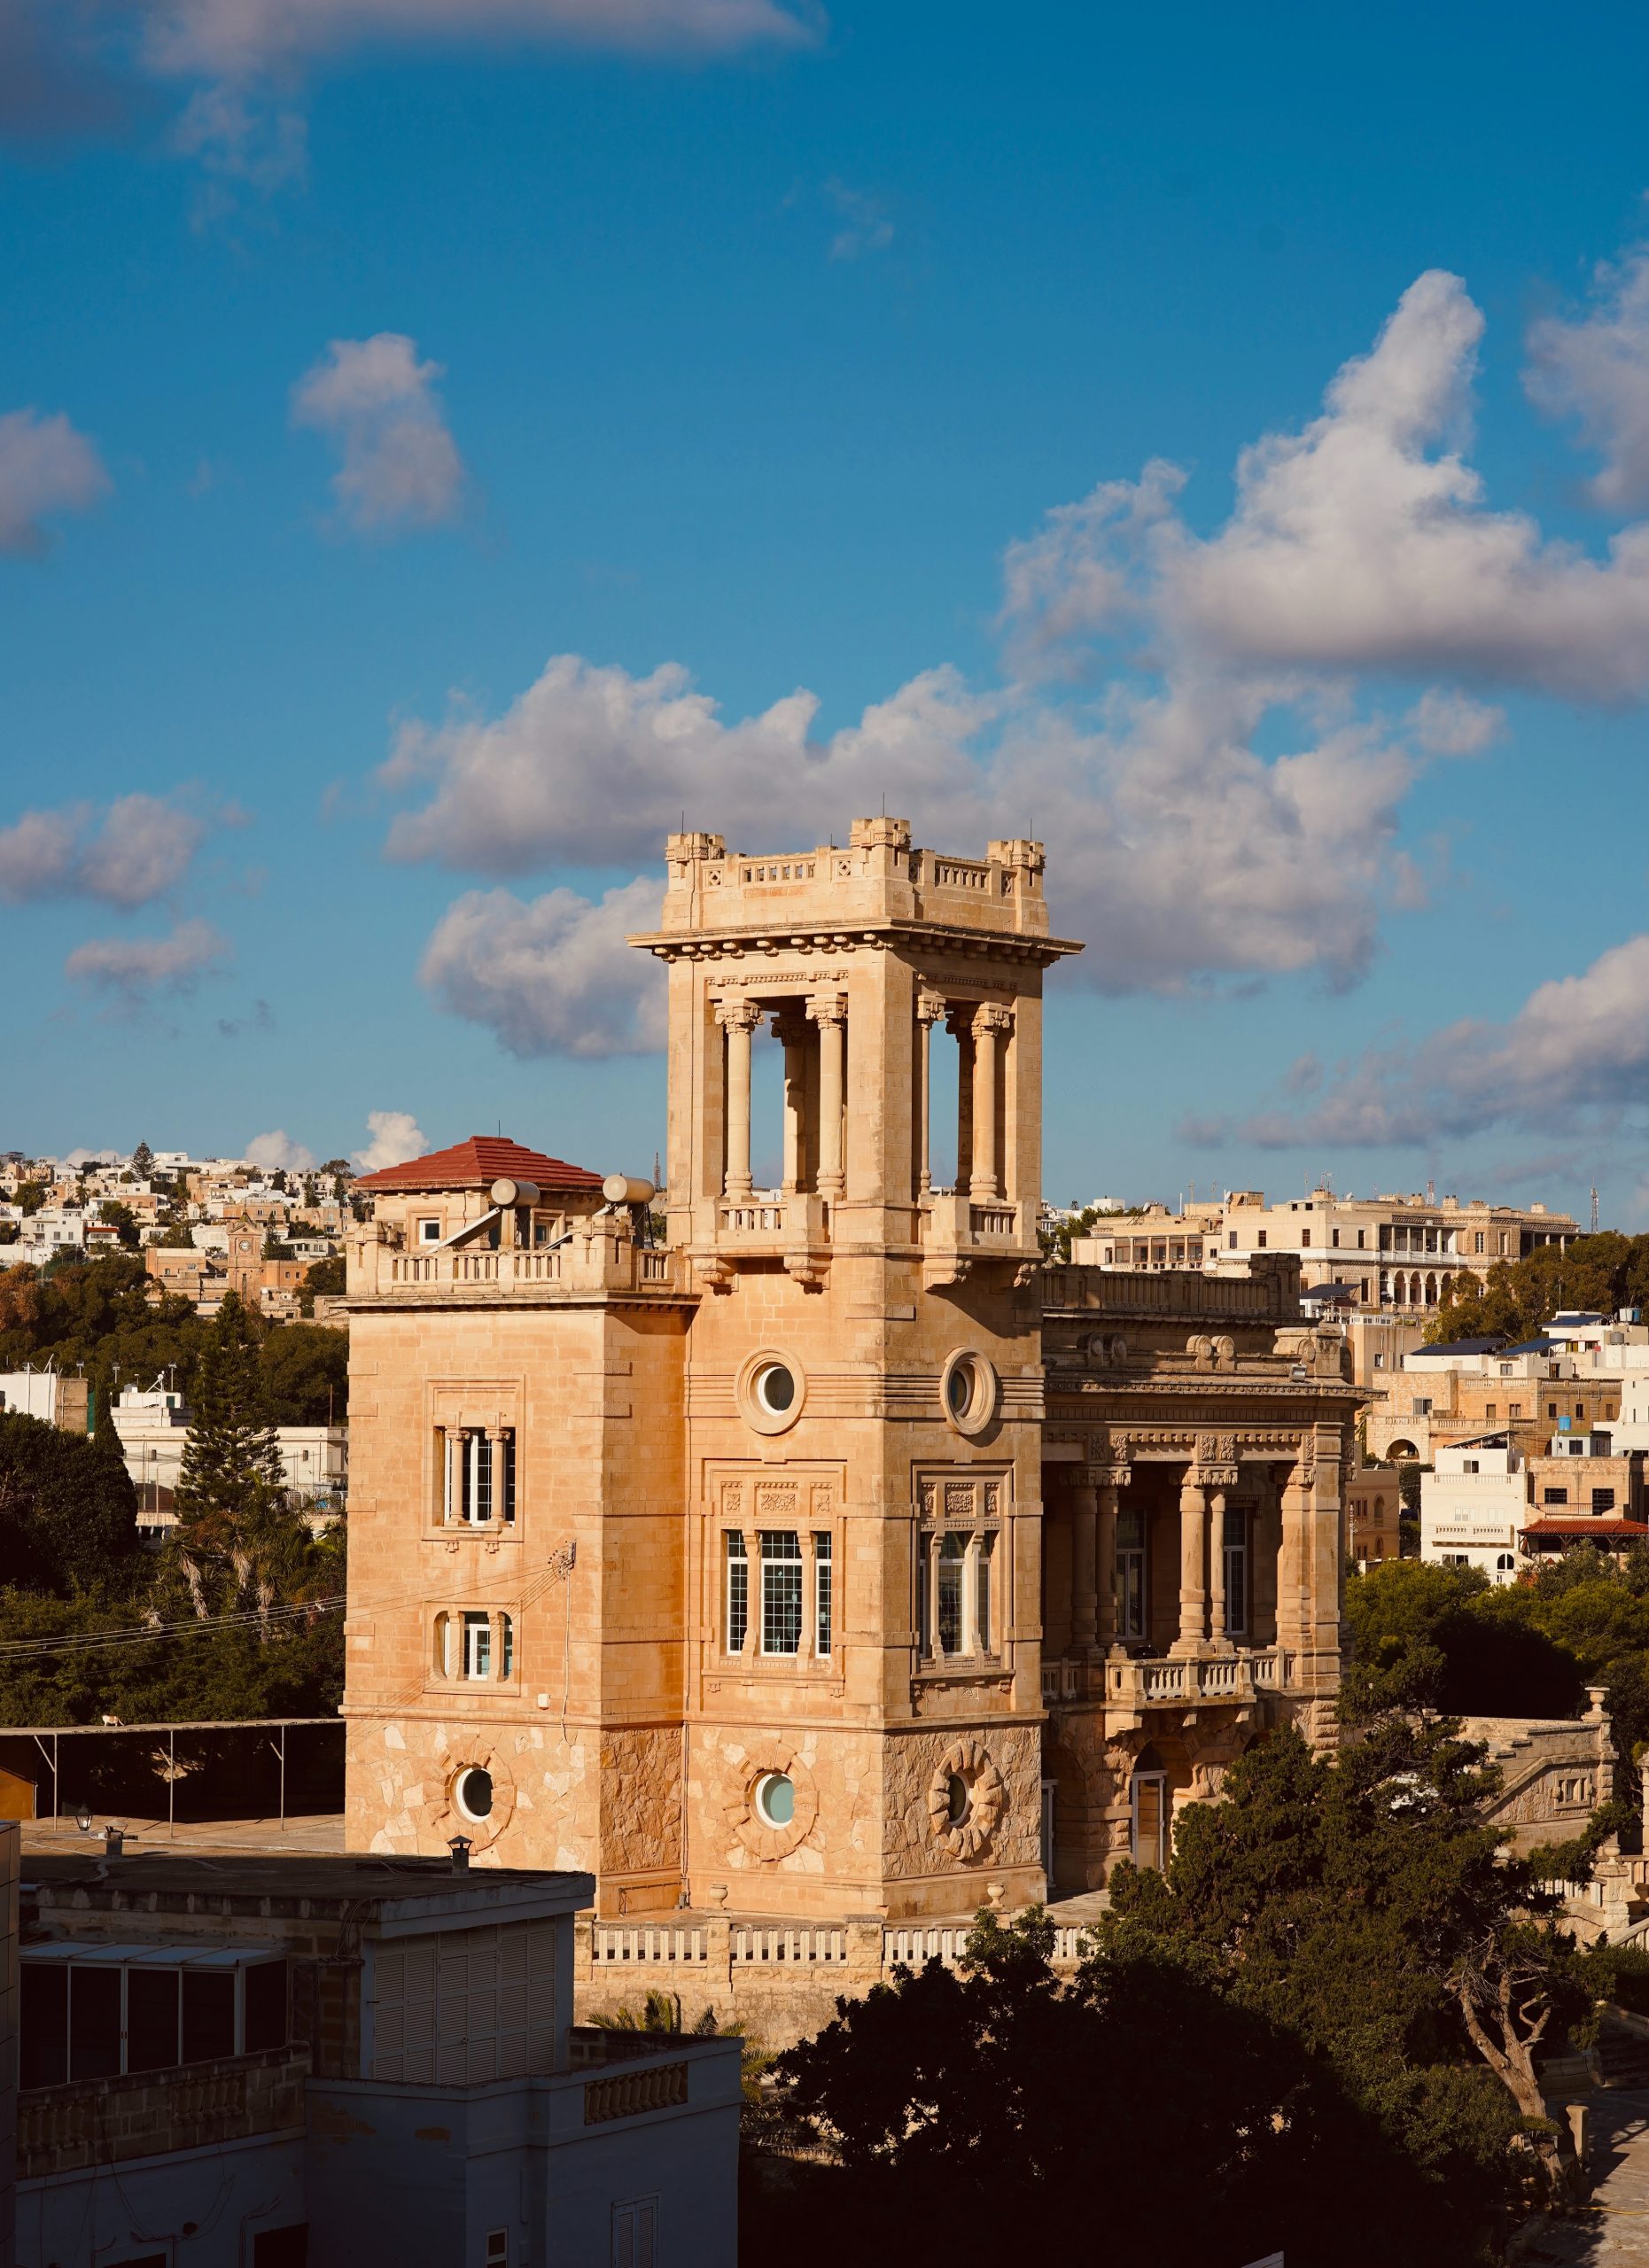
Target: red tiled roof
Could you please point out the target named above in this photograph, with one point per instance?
(1586, 1524)
(479, 1163)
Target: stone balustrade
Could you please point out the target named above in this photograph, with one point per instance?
(603, 1262)
(1134, 1684)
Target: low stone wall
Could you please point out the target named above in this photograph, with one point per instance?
(781, 1980)
(103, 2122)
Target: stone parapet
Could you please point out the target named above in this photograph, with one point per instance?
(103, 2122)
(781, 1981)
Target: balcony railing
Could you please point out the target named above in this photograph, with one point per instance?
(1135, 1684)
(600, 1264)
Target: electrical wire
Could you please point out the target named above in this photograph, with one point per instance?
(89, 1641)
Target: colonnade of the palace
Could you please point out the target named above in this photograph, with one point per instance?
(812, 1029)
(1275, 1508)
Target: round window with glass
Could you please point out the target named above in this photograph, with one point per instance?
(957, 1801)
(473, 1793)
(775, 1799)
(774, 1386)
(968, 1391)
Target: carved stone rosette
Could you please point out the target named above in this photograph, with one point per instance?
(968, 1761)
(748, 1825)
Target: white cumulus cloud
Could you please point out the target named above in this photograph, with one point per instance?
(277, 1149)
(1365, 542)
(396, 1136)
(552, 974)
(135, 850)
(1597, 371)
(134, 968)
(1574, 1055)
(46, 467)
(377, 405)
(1229, 805)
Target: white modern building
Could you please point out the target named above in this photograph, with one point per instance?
(54, 1397)
(326, 2062)
(1475, 1506)
(153, 1426)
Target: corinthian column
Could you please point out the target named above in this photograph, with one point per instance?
(1217, 1566)
(829, 1010)
(1193, 1560)
(738, 1019)
(1113, 1478)
(989, 1024)
(930, 1008)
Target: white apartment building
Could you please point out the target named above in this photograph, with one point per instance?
(49, 1395)
(1473, 1508)
(154, 1426)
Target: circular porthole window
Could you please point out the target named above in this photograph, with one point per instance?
(775, 1389)
(968, 1391)
(957, 1801)
(775, 1799)
(473, 1793)
(771, 1391)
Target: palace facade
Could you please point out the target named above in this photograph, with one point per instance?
(815, 1551)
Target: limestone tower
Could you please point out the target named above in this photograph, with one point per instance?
(772, 1566)
(863, 1372)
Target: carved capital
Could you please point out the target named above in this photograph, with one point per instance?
(929, 1007)
(738, 1015)
(989, 1018)
(826, 1008)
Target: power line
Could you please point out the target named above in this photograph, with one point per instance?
(88, 1641)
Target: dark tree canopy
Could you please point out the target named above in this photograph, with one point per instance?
(1141, 2111)
(306, 1373)
(1443, 1638)
(68, 1511)
(98, 1315)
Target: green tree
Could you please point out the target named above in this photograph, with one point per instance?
(1602, 1273)
(1431, 1637)
(143, 1161)
(101, 1315)
(68, 1512)
(31, 1195)
(123, 1220)
(964, 2110)
(236, 1540)
(306, 1371)
(1362, 1900)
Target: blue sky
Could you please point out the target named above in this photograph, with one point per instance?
(351, 376)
